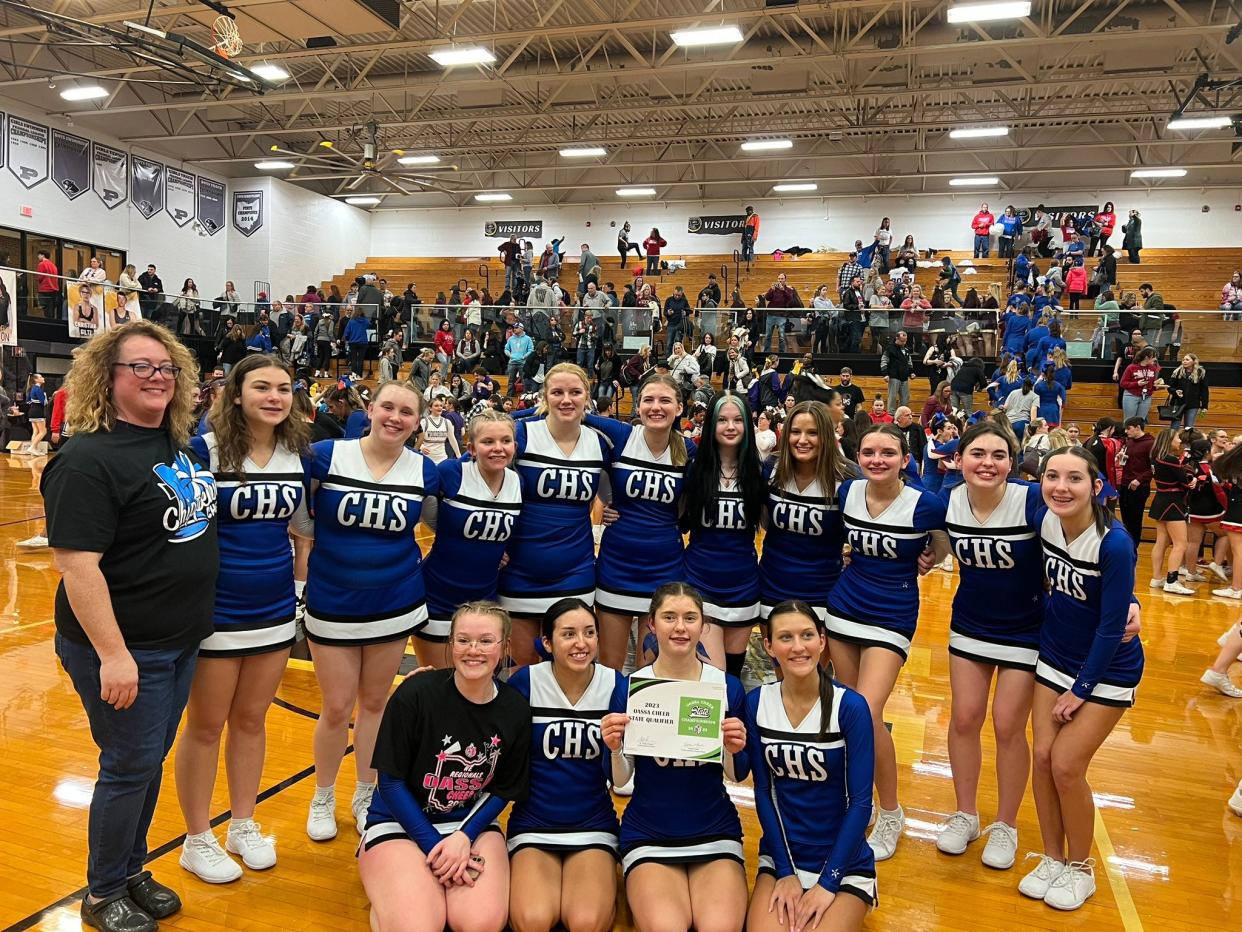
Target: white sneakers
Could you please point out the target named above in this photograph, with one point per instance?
(955, 834)
(1228, 593)
(1235, 801)
(963, 828)
(1221, 683)
(321, 820)
(361, 803)
(1176, 588)
(886, 832)
(38, 542)
(1038, 882)
(257, 851)
(202, 856)
(1216, 570)
(1002, 847)
(1061, 886)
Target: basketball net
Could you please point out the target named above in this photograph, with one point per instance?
(228, 38)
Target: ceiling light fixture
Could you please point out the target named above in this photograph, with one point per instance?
(273, 165)
(498, 196)
(796, 186)
(984, 12)
(978, 180)
(86, 92)
(271, 73)
(473, 55)
(635, 192)
(418, 160)
(1212, 122)
(364, 201)
(979, 132)
(716, 35)
(1159, 173)
(766, 145)
(584, 152)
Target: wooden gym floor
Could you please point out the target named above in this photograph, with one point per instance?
(1169, 852)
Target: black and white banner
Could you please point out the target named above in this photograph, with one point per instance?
(3, 136)
(1077, 211)
(71, 164)
(147, 186)
(27, 151)
(109, 174)
(179, 197)
(717, 226)
(506, 228)
(247, 211)
(210, 205)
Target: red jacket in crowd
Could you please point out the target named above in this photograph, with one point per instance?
(983, 222)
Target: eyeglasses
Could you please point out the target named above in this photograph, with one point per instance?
(144, 370)
(487, 642)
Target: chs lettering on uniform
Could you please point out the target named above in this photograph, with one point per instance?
(651, 486)
(374, 511)
(572, 740)
(730, 514)
(488, 526)
(798, 519)
(1065, 579)
(796, 761)
(263, 501)
(565, 484)
(984, 553)
(873, 543)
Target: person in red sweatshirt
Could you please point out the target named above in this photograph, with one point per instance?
(1135, 459)
(652, 246)
(878, 414)
(48, 286)
(981, 225)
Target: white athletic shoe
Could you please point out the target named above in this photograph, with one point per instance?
(1037, 883)
(1176, 588)
(1073, 886)
(1196, 576)
(955, 834)
(1156, 583)
(1002, 847)
(1228, 593)
(1235, 801)
(886, 832)
(626, 788)
(202, 856)
(38, 542)
(321, 821)
(361, 803)
(1215, 570)
(257, 851)
(1221, 683)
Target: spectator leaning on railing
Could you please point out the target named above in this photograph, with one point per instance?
(1231, 297)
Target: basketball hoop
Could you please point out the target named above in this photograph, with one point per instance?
(228, 38)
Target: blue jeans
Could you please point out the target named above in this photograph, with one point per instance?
(674, 336)
(586, 354)
(1188, 418)
(748, 248)
(512, 372)
(132, 746)
(512, 273)
(775, 325)
(1134, 406)
(982, 245)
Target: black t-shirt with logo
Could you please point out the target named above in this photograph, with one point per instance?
(149, 509)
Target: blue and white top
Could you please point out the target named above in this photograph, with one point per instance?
(1091, 580)
(569, 807)
(813, 794)
(366, 580)
(552, 553)
(473, 528)
(642, 549)
(875, 603)
(721, 561)
(254, 590)
(802, 543)
(999, 604)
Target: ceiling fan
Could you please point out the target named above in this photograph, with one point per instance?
(327, 164)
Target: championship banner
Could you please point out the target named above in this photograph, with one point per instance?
(210, 205)
(71, 164)
(1078, 211)
(147, 186)
(247, 212)
(506, 228)
(109, 174)
(179, 196)
(8, 307)
(27, 151)
(717, 226)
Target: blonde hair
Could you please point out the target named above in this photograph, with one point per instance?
(561, 368)
(678, 455)
(489, 416)
(1058, 357)
(487, 609)
(1058, 437)
(404, 386)
(90, 407)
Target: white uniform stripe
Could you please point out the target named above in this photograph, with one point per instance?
(854, 630)
(1103, 691)
(765, 610)
(731, 614)
(395, 627)
(990, 650)
(252, 640)
(671, 854)
(621, 604)
(809, 879)
(563, 840)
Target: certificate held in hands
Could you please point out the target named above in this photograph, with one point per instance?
(678, 719)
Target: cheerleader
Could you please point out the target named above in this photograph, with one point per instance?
(994, 631)
(552, 552)
(563, 837)
(1228, 469)
(1173, 478)
(438, 436)
(365, 594)
(873, 609)
(1205, 505)
(724, 504)
(803, 534)
(683, 864)
(811, 744)
(452, 751)
(254, 449)
(1086, 675)
(642, 548)
(476, 514)
(36, 413)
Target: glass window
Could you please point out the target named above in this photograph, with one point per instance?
(51, 303)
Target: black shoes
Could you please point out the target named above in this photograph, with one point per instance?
(157, 900)
(117, 913)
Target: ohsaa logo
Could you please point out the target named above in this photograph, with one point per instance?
(489, 228)
(695, 225)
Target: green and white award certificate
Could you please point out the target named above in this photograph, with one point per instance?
(677, 719)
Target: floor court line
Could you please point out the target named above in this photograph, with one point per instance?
(1130, 919)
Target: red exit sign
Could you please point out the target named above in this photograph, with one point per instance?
(26, 210)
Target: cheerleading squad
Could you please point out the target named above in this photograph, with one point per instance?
(513, 578)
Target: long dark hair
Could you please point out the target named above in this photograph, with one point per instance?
(1102, 516)
(547, 625)
(228, 422)
(798, 607)
(703, 481)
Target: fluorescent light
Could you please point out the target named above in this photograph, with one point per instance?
(717, 35)
(584, 152)
(982, 12)
(87, 92)
(272, 73)
(1214, 122)
(273, 165)
(1159, 173)
(494, 197)
(364, 201)
(965, 182)
(418, 160)
(798, 186)
(979, 132)
(766, 145)
(635, 192)
(473, 55)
